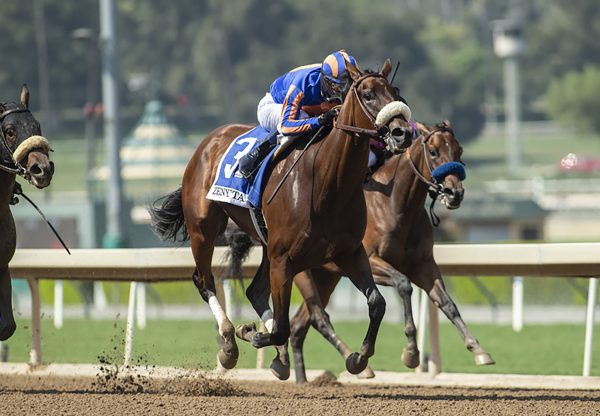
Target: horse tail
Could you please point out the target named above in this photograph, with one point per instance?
(239, 244)
(166, 217)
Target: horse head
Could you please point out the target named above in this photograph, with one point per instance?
(442, 154)
(23, 149)
(382, 113)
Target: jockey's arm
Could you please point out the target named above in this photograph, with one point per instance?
(318, 109)
(291, 124)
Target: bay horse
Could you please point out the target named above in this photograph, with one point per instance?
(399, 243)
(23, 152)
(318, 215)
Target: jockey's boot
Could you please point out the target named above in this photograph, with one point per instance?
(250, 163)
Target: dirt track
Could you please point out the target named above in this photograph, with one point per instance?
(20, 395)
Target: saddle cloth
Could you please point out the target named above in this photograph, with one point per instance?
(231, 187)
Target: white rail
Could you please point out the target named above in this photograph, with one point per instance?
(162, 265)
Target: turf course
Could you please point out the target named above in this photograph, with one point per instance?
(538, 349)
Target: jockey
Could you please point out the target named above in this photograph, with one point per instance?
(299, 102)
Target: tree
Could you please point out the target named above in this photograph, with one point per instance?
(573, 99)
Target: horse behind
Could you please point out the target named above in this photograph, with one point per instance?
(23, 152)
(318, 215)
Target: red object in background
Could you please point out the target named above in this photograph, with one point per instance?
(574, 163)
(182, 100)
(99, 109)
(88, 110)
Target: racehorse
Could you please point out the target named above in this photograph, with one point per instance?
(23, 152)
(318, 215)
(399, 243)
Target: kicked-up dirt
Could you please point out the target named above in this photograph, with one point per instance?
(193, 394)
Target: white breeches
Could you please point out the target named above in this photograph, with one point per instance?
(269, 112)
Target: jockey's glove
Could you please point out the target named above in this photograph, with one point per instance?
(326, 119)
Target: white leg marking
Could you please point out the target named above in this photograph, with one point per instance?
(218, 312)
(267, 318)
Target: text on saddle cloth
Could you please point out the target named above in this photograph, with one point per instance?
(229, 185)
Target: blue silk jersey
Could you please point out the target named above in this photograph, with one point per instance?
(295, 89)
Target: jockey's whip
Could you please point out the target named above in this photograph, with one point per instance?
(294, 164)
(19, 191)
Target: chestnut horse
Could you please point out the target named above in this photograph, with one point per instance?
(24, 152)
(318, 215)
(399, 243)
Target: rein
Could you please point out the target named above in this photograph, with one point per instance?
(19, 191)
(435, 189)
(378, 133)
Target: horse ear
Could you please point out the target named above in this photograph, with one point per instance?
(387, 68)
(447, 123)
(352, 70)
(423, 129)
(25, 96)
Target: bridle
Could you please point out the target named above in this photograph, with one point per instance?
(435, 188)
(18, 169)
(378, 133)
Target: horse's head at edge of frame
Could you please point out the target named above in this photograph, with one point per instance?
(382, 106)
(443, 153)
(23, 147)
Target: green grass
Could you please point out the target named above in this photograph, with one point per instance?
(538, 349)
(541, 153)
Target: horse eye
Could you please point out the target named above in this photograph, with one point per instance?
(368, 95)
(433, 152)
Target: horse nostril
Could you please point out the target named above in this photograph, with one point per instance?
(454, 194)
(35, 170)
(51, 168)
(398, 132)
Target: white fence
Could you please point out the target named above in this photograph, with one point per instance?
(167, 265)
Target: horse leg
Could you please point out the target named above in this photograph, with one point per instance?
(386, 275)
(7, 320)
(204, 226)
(316, 292)
(280, 280)
(356, 266)
(430, 279)
(258, 294)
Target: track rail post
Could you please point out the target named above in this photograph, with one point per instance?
(35, 354)
(589, 327)
(130, 323)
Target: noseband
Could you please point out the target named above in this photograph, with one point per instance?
(436, 189)
(434, 183)
(33, 141)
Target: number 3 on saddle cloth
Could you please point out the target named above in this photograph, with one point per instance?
(229, 185)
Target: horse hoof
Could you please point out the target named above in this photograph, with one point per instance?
(356, 363)
(228, 359)
(484, 359)
(410, 358)
(246, 331)
(367, 373)
(280, 370)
